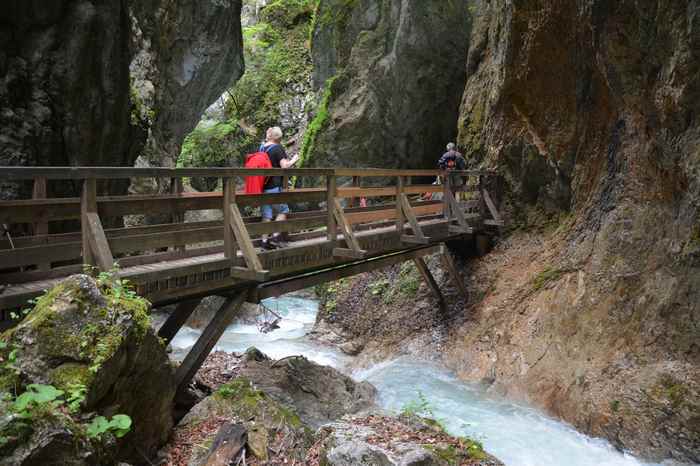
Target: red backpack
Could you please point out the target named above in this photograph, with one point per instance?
(260, 159)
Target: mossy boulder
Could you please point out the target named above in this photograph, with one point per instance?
(95, 334)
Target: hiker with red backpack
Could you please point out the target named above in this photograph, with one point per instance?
(270, 155)
(453, 160)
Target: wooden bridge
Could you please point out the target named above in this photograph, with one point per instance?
(331, 234)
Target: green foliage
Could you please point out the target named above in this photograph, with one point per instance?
(379, 287)
(119, 425)
(548, 275)
(318, 123)
(409, 279)
(278, 62)
(36, 394)
(418, 407)
(212, 145)
(615, 405)
(76, 396)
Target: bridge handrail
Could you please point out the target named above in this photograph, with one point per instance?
(77, 173)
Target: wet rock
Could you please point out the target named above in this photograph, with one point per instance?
(270, 425)
(380, 439)
(92, 334)
(319, 394)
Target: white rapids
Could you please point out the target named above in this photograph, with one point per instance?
(517, 435)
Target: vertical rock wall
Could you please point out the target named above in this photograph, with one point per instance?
(89, 82)
(389, 74)
(592, 107)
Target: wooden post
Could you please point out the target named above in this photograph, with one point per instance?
(42, 226)
(229, 195)
(177, 319)
(206, 341)
(400, 218)
(430, 281)
(176, 188)
(331, 188)
(355, 184)
(454, 273)
(95, 246)
(446, 194)
(285, 183)
(88, 203)
(482, 201)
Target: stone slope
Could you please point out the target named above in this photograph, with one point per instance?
(590, 112)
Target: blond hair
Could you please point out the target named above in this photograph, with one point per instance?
(274, 134)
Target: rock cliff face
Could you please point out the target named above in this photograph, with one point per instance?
(390, 73)
(93, 83)
(590, 110)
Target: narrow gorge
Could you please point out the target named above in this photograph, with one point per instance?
(578, 342)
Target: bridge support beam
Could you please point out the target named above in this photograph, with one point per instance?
(430, 281)
(454, 273)
(177, 319)
(206, 342)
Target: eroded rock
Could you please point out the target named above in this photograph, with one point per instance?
(96, 335)
(384, 440)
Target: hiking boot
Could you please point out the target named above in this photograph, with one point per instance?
(276, 242)
(268, 245)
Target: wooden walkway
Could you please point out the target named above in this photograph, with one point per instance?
(349, 222)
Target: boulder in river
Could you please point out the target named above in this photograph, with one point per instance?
(90, 341)
(318, 393)
(406, 440)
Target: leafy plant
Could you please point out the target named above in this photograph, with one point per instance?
(76, 396)
(37, 394)
(120, 425)
(418, 407)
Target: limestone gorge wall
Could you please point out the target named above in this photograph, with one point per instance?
(91, 82)
(589, 109)
(390, 74)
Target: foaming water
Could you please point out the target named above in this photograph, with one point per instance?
(517, 435)
(298, 317)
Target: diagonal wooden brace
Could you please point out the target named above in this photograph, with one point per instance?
(354, 251)
(246, 244)
(497, 220)
(456, 209)
(418, 236)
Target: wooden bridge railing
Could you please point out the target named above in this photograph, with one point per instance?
(327, 210)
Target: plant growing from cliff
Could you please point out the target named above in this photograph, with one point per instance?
(549, 274)
(318, 123)
(119, 425)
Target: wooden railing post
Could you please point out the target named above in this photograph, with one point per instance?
(331, 188)
(400, 218)
(446, 195)
(42, 226)
(229, 196)
(482, 201)
(95, 246)
(177, 188)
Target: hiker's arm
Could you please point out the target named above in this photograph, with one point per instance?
(286, 163)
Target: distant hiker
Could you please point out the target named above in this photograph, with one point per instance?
(273, 184)
(453, 160)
